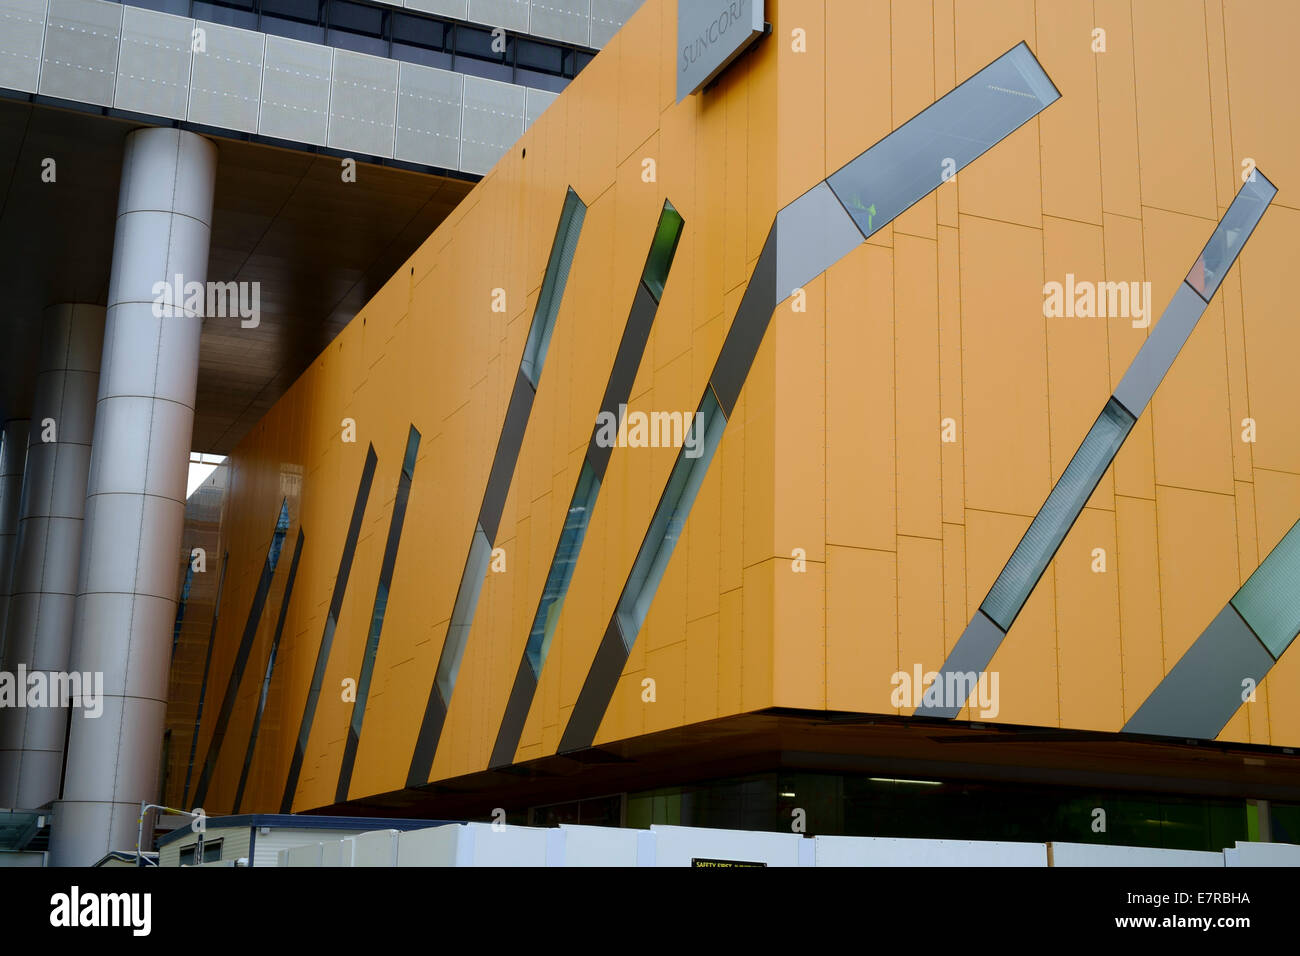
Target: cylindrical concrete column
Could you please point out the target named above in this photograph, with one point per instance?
(13, 459)
(135, 496)
(47, 551)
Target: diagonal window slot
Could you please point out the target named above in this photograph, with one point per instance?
(245, 648)
(331, 623)
(558, 265)
(266, 677)
(974, 650)
(377, 615)
(631, 349)
(809, 236)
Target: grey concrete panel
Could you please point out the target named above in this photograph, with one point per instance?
(226, 85)
(1200, 694)
(296, 91)
(363, 103)
(79, 61)
(608, 17)
(511, 14)
(458, 9)
(536, 103)
(154, 66)
(22, 31)
(493, 120)
(429, 104)
(567, 20)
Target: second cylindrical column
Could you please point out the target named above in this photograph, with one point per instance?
(47, 552)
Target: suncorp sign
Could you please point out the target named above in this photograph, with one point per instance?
(710, 34)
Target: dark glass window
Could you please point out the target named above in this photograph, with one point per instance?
(490, 71)
(662, 248)
(539, 56)
(540, 81)
(227, 16)
(417, 31)
(416, 54)
(357, 42)
(293, 29)
(478, 44)
(355, 18)
(308, 11)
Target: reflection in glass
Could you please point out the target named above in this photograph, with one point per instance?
(669, 519)
(1234, 229)
(1063, 506)
(562, 565)
(943, 139)
(1269, 601)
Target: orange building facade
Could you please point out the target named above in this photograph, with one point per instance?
(906, 414)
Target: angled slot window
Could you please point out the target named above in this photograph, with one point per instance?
(566, 558)
(331, 624)
(462, 615)
(1058, 514)
(557, 276)
(1269, 601)
(251, 627)
(943, 139)
(670, 517)
(631, 350)
(804, 241)
(500, 475)
(268, 673)
(386, 568)
(975, 649)
(1231, 234)
(662, 249)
